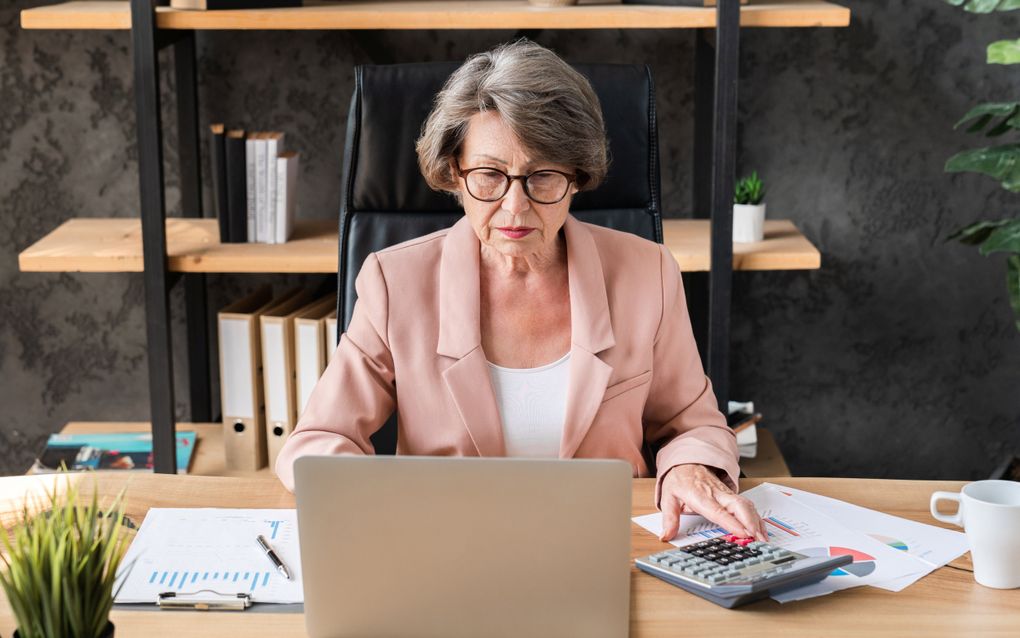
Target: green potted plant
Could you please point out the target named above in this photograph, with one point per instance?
(59, 565)
(749, 209)
(1000, 162)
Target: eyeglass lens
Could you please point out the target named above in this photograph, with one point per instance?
(545, 187)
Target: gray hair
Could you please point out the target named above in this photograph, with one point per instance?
(550, 108)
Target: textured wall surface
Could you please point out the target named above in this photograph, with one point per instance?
(897, 359)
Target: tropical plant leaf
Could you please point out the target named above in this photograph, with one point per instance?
(986, 6)
(1005, 238)
(1001, 163)
(1013, 285)
(983, 114)
(1004, 52)
(976, 233)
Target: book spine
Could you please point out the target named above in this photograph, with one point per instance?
(280, 230)
(291, 203)
(249, 164)
(236, 187)
(217, 156)
(260, 189)
(273, 147)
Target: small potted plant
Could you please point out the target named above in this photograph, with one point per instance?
(749, 209)
(59, 565)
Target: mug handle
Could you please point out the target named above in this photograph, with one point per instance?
(953, 519)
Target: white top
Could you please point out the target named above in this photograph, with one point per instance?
(532, 403)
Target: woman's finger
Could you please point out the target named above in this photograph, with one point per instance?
(670, 518)
(714, 511)
(743, 510)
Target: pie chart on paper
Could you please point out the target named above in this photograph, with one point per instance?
(862, 566)
(895, 543)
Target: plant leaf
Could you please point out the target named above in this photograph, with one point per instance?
(976, 233)
(1005, 238)
(1004, 52)
(989, 109)
(1001, 163)
(986, 6)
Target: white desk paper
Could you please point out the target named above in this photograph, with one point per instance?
(188, 550)
(933, 545)
(799, 528)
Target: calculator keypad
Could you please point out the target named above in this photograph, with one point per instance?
(726, 559)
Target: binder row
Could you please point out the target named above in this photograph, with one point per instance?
(273, 349)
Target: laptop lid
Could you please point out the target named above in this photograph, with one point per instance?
(439, 546)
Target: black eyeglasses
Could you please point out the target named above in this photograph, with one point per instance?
(490, 184)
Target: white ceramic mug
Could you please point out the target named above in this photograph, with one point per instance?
(990, 514)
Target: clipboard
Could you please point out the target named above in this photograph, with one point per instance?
(203, 600)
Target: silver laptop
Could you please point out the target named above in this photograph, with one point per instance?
(444, 547)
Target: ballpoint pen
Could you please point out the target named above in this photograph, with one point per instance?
(280, 567)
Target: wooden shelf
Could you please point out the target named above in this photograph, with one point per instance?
(784, 247)
(115, 245)
(439, 14)
(208, 459)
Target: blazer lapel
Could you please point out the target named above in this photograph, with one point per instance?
(460, 338)
(591, 332)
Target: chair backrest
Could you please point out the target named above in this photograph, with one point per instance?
(385, 200)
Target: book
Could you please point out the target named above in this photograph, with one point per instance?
(217, 5)
(274, 146)
(218, 158)
(109, 451)
(249, 163)
(237, 199)
(261, 146)
(286, 197)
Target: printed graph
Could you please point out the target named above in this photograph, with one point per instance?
(181, 579)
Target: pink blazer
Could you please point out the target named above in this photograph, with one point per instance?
(414, 345)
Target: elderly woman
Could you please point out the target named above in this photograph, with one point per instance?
(522, 331)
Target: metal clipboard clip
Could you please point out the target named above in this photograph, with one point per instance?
(203, 600)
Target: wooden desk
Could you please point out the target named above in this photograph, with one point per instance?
(947, 602)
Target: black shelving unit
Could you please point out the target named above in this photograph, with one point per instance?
(716, 80)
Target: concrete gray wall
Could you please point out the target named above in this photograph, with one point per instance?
(897, 359)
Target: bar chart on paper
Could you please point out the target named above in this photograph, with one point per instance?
(214, 552)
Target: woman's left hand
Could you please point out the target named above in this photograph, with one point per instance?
(696, 489)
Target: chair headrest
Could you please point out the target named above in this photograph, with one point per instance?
(391, 103)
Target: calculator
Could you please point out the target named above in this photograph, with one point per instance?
(731, 571)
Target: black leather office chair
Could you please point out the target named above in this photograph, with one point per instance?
(385, 200)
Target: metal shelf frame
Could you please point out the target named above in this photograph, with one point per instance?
(716, 79)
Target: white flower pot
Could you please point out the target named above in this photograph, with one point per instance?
(748, 222)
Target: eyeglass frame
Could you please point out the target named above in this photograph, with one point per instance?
(463, 173)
